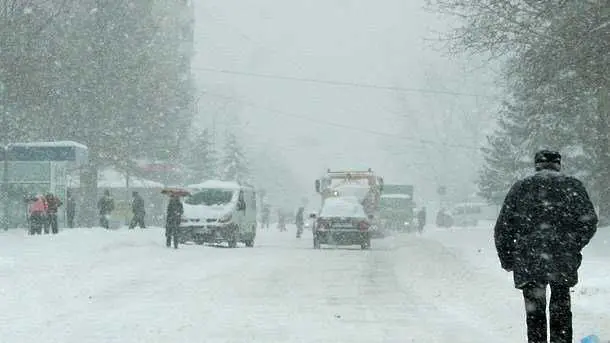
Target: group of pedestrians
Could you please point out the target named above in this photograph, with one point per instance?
(43, 209)
(106, 206)
(42, 213)
(174, 213)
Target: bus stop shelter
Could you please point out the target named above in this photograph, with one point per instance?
(36, 168)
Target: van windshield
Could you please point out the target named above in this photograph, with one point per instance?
(210, 197)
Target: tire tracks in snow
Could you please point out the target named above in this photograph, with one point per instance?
(474, 307)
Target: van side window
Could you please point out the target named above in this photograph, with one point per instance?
(240, 201)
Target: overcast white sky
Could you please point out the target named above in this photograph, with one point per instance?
(314, 126)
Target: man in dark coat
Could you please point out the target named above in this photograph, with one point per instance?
(175, 210)
(105, 206)
(300, 220)
(70, 209)
(53, 204)
(421, 219)
(139, 212)
(545, 222)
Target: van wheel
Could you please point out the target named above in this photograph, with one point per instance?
(249, 243)
(234, 237)
(366, 244)
(233, 241)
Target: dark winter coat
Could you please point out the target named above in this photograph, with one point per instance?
(105, 205)
(70, 206)
(421, 217)
(137, 206)
(545, 222)
(300, 220)
(53, 204)
(175, 210)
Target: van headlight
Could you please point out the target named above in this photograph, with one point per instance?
(226, 218)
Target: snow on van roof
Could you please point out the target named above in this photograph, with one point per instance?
(216, 184)
(62, 144)
(396, 196)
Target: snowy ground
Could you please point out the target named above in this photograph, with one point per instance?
(90, 285)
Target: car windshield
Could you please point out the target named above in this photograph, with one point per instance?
(210, 197)
(342, 208)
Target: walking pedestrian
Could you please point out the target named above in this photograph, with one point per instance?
(545, 222)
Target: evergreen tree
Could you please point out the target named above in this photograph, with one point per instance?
(200, 158)
(505, 160)
(234, 164)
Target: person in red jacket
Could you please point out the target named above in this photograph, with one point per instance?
(37, 214)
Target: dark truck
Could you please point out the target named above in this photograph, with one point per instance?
(396, 208)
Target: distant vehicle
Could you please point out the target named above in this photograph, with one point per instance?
(341, 222)
(396, 208)
(310, 219)
(219, 211)
(470, 214)
(365, 187)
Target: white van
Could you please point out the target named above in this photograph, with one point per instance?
(219, 211)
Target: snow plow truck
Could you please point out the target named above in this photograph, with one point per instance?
(362, 186)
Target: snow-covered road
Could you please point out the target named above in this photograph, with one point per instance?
(89, 285)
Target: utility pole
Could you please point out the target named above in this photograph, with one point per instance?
(3, 113)
(5, 189)
(603, 111)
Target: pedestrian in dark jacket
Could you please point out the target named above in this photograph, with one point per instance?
(300, 220)
(545, 222)
(137, 207)
(265, 216)
(70, 209)
(53, 204)
(421, 219)
(172, 225)
(105, 206)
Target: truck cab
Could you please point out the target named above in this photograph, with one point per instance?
(396, 208)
